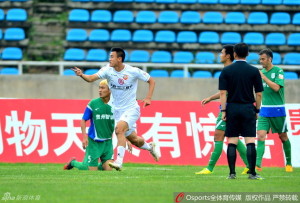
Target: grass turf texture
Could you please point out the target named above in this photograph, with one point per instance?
(136, 183)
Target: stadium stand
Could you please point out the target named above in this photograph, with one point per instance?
(231, 38)
(217, 74)
(257, 18)
(161, 57)
(2, 15)
(291, 59)
(294, 39)
(101, 16)
(179, 74)
(276, 58)
(96, 55)
(14, 34)
(165, 36)
(145, 17)
(253, 58)
(186, 37)
(205, 57)
(69, 72)
(91, 71)
(280, 18)
(290, 75)
(202, 74)
(190, 17)
(212, 17)
(77, 35)
(142, 56)
(296, 19)
(142, 36)
(16, 14)
(99, 35)
(79, 15)
(271, 2)
(254, 38)
(12, 53)
(120, 35)
(235, 18)
(74, 54)
(209, 37)
(275, 39)
(168, 17)
(123, 16)
(183, 57)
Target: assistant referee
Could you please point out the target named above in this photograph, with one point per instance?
(237, 84)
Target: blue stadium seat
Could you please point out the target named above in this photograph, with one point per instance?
(202, 74)
(276, 58)
(275, 39)
(69, 72)
(165, 36)
(96, 55)
(290, 76)
(100, 0)
(208, 1)
(16, 14)
(2, 15)
(1, 35)
(79, 15)
(168, 17)
(139, 56)
(166, 1)
(99, 35)
(123, 0)
(123, 16)
(80, 0)
(14, 34)
(205, 57)
(229, 1)
(142, 36)
(253, 58)
(12, 53)
(217, 74)
(209, 37)
(183, 57)
(280, 18)
(145, 17)
(9, 71)
(161, 57)
(291, 59)
(101, 16)
(291, 2)
(296, 19)
(187, 1)
(91, 71)
(257, 18)
(235, 18)
(212, 17)
(159, 73)
(271, 2)
(76, 35)
(294, 39)
(254, 38)
(251, 2)
(145, 1)
(179, 74)
(231, 38)
(190, 17)
(186, 37)
(74, 54)
(121, 35)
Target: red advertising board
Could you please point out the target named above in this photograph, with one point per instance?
(48, 131)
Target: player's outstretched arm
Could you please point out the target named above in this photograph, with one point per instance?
(147, 100)
(88, 78)
(211, 98)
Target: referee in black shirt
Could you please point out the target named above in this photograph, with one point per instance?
(237, 84)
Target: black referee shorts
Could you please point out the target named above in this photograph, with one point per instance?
(240, 120)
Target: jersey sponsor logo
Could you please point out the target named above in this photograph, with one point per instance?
(125, 77)
(121, 81)
(280, 76)
(120, 87)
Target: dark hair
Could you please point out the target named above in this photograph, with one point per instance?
(229, 50)
(120, 52)
(241, 50)
(266, 51)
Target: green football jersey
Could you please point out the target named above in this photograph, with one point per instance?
(102, 120)
(270, 97)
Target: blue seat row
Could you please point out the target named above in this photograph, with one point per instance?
(9, 71)
(13, 14)
(143, 56)
(12, 34)
(11, 53)
(186, 17)
(169, 36)
(249, 2)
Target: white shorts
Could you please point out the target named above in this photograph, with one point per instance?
(130, 116)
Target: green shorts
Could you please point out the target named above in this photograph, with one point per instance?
(220, 124)
(277, 124)
(99, 150)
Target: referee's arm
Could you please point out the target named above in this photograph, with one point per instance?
(258, 97)
(223, 99)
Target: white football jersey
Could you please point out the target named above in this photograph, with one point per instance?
(123, 85)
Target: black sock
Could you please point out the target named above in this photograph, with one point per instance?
(251, 156)
(231, 157)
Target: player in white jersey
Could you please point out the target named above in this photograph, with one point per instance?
(123, 81)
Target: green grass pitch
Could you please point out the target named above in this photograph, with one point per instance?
(136, 183)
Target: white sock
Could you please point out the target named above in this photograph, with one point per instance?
(146, 146)
(120, 154)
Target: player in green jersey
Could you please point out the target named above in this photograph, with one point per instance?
(98, 141)
(227, 58)
(272, 114)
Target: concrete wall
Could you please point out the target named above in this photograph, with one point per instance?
(70, 87)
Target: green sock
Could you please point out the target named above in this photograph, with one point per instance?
(241, 148)
(287, 151)
(260, 152)
(215, 155)
(100, 168)
(80, 165)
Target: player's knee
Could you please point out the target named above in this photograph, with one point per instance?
(261, 136)
(283, 137)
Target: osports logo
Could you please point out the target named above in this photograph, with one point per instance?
(121, 81)
(179, 197)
